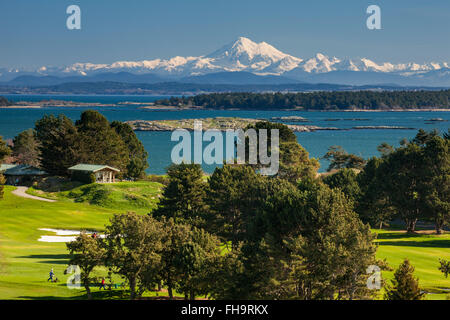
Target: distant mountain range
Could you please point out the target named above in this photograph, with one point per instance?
(242, 62)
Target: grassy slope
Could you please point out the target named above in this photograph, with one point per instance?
(25, 262)
(424, 252)
(140, 197)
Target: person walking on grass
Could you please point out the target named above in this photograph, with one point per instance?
(51, 274)
(103, 284)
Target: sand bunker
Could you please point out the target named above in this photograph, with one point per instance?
(62, 235)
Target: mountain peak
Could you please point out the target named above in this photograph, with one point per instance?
(246, 49)
(244, 41)
(243, 54)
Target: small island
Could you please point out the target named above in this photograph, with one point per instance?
(218, 123)
(290, 119)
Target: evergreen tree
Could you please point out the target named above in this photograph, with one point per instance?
(137, 154)
(423, 137)
(385, 149)
(175, 238)
(100, 143)
(183, 199)
(195, 261)
(435, 188)
(4, 149)
(136, 168)
(322, 100)
(304, 244)
(294, 161)
(234, 192)
(402, 174)
(339, 159)
(404, 286)
(334, 249)
(346, 181)
(373, 205)
(59, 144)
(26, 148)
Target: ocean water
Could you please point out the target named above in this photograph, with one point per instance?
(159, 145)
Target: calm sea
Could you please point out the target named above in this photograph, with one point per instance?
(159, 146)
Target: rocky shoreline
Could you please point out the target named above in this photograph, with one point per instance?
(224, 123)
(219, 123)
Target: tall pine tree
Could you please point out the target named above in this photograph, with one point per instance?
(184, 197)
(100, 143)
(137, 154)
(404, 285)
(59, 144)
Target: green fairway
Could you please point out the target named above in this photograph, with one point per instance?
(424, 252)
(25, 262)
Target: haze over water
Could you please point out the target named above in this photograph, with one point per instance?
(158, 144)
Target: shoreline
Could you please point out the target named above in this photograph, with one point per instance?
(234, 123)
(119, 105)
(150, 106)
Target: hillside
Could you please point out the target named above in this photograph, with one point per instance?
(348, 100)
(140, 197)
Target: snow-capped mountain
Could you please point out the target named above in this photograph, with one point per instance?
(244, 55)
(240, 55)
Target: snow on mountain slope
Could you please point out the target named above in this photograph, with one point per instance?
(247, 55)
(242, 55)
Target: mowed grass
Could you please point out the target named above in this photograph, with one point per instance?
(424, 251)
(139, 196)
(25, 262)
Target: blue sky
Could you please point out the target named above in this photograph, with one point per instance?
(34, 33)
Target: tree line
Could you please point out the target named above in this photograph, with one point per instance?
(4, 152)
(321, 100)
(56, 143)
(241, 235)
(5, 102)
(238, 235)
(411, 182)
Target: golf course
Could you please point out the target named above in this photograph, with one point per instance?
(25, 262)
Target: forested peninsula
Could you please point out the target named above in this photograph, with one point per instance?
(317, 101)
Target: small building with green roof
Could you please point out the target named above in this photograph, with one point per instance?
(17, 174)
(93, 173)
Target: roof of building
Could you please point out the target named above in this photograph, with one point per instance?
(91, 167)
(4, 167)
(22, 170)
